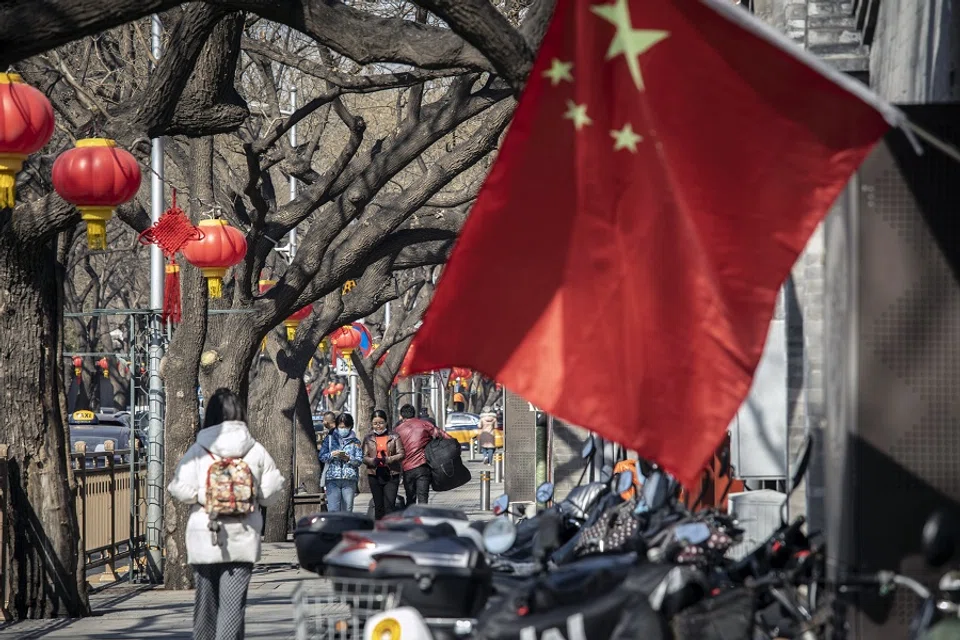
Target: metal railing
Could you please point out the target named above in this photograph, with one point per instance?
(111, 509)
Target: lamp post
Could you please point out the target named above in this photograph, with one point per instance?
(155, 399)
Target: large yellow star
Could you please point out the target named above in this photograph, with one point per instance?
(628, 41)
(577, 113)
(625, 138)
(559, 71)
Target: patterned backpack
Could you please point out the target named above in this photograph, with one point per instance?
(231, 490)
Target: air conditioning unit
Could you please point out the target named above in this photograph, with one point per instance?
(758, 513)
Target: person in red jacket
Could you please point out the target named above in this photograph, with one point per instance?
(416, 434)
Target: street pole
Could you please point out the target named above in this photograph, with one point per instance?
(353, 394)
(292, 236)
(155, 399)
(291, 254)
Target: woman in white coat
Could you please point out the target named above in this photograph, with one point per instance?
(222, 550)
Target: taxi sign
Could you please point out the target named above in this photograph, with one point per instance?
(84, 416)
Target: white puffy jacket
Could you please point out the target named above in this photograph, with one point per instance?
(239, 537)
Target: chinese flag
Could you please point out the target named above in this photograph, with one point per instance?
(667, 163)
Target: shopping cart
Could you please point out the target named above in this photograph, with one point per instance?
(337, 608)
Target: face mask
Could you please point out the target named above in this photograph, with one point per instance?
(380, 430)
(342, 432)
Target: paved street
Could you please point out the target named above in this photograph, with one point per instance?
(124, 611)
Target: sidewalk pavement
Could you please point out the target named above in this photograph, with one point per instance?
(148, 613)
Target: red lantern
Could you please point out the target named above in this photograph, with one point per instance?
(97, 177)
(221, 247)
(383, 358)
(105, 366)
(77, 366)
(405, 365)
(338, 388)
(295, 319)
(325, 392)
(26, 125)
(344, 341)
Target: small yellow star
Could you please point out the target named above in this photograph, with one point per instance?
(628, 41)
(625, 138)
(559, 71)
(577, 113)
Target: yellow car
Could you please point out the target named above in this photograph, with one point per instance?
(463, 427)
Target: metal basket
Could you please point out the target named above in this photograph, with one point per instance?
(338, 608)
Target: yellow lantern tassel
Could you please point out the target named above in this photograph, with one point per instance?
(214, 276)
(10, 164)
(214, 287)
(96, 219)
(310, 364)
(291, 332)
(97, 236)
(263, 344)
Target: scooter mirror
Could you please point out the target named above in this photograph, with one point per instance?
(939, 534)
(499, 535)
(624, 481)
(545, 492)
(588, 448)
(501, 504)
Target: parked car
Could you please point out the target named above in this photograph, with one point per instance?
(94, 429)
(463, 427)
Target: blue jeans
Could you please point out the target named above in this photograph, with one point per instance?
(340, 494)
(487, 454)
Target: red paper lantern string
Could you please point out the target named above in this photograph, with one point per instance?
(171, 232)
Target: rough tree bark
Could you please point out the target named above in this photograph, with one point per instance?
(46, 563)
(181, 370)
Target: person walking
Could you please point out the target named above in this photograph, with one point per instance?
(486, 438)
(342, 455)
(425, 415)
(226, 476)
(416, 434)
(382, 453)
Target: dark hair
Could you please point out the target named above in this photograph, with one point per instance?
(379, 413)
(223, 405)
(407, 411)
(331, 414)
(346, 420)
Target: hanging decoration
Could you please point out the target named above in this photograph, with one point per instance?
(97, 176)
(405, 365)
(292, 322)
(459, 375)
(348, 286)
(104, 366)
(171, 232)
(220, 248)
(77, 367)
(338, 388)
(26, 125)
(344, 341)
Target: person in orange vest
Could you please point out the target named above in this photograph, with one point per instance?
(459, 402)
(629, 465)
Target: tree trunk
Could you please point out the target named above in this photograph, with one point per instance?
(181, 370)
(307, 463)
(272, 417)
(46, 564)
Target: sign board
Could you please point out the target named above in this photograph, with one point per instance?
(343, 369)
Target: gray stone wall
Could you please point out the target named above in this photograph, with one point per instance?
(915, 50)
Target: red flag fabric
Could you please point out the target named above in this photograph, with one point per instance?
(666, 165)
